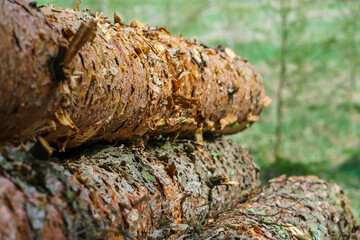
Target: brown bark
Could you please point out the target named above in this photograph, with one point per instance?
(126, 81)
(304, 208)
(113, 192)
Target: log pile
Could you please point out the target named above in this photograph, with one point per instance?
(140, 113)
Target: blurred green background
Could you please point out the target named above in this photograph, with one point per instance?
(308, 53)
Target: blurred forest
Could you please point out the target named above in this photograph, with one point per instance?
(308, 53)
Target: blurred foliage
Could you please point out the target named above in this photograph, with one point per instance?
(321, 95)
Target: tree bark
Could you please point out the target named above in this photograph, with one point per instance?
(303, 208)
(107, 81)
(117, 192)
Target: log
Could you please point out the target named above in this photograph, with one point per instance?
(72, 77)
(303, 208)
(116, 192)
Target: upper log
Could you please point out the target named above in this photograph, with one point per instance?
(107, 81)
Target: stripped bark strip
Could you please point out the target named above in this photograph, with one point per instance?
(303, 208)
(128, 81)
(116, 191)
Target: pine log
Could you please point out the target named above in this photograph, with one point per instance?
(73, 77)
(116, 192)
(302, 208)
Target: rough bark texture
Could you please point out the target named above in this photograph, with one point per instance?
(128, 81)
(114, 191)
(304, 208)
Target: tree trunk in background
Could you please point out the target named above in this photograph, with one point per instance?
(108, 191)
(294, 208)
(127, 82)
(168, 12)
(282, 76)
(352, 23)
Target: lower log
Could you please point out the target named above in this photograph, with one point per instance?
(304, 208)
(117, 192)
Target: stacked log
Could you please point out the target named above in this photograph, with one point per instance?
(73, 77)
(303, 208)
(115, 191)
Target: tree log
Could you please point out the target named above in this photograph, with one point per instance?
(304, 208)
(73, 77)
(114, 191)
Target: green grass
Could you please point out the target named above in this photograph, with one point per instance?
(321, 125)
